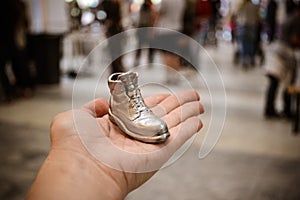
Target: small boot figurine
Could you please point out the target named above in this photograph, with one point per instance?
(129, 111)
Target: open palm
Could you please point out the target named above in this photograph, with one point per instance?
(89, 133)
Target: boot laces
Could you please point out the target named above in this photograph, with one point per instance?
(137, 101)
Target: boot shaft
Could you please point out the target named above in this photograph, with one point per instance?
(120, 82)
(125, 95)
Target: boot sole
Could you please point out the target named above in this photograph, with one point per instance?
(154, 139)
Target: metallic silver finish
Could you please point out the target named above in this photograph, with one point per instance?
(129, 111)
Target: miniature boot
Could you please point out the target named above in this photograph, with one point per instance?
(129, 111)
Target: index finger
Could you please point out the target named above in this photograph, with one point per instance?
(97, 107)
(155, 99)
(173, 101)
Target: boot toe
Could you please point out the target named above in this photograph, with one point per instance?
(151, 126)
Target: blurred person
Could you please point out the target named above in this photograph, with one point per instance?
(170, 17)
(145, 36)
(258, 45)
(204, 14)
(13, 49)
(232, 26)
(283, 69)
(232, 23)
(271, 19)
(189, 18)
(216, 15)
(113, 23)
(189, 28)
(21, 64)
(7, 46)
(70, 171)
(214, 21)
(248, 21)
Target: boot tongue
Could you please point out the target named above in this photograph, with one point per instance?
(129, 80)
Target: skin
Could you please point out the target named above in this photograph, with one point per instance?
(71, 172)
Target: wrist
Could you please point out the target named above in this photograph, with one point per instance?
(71, 175)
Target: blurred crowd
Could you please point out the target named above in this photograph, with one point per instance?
(249, 24)
(252, 24)
(282, 70)
(198, 19)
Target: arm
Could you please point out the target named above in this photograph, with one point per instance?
(72, 172)
(67, 175)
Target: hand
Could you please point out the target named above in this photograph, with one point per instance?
(73, 163)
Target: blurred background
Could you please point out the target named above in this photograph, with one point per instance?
(54, 53)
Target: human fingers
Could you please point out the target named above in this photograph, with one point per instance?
(183, 131)
(97, 107)
(155, 99)
(183, 112)
(173, 101)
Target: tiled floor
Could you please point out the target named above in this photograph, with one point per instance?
(254, 158)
